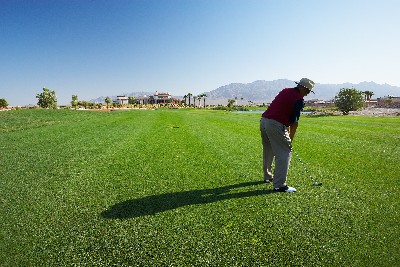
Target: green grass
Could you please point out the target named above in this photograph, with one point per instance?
(182, 188)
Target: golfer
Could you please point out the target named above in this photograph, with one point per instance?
(278, 126)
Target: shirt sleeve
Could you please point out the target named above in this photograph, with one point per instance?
(298, 107)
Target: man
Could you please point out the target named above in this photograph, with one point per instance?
(278, 126)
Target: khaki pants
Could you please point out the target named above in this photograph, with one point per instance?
(276, 144)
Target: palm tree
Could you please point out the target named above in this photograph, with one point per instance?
(368, 95)
(108, 101)
(199, 99)
(204, 99)
(189, 95)
(185, 97)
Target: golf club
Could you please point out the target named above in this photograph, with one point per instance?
(304, 165)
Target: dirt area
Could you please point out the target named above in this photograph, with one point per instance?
(376, 112)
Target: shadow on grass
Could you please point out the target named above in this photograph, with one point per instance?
(158, 203)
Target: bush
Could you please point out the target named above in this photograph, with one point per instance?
(349, 99)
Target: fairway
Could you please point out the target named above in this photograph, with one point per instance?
(184, 188)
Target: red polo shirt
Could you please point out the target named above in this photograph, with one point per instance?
(286, 107)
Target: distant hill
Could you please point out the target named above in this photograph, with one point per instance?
(258, 91)
(329, 91)
(265, 91)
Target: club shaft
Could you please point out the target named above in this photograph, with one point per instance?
(304, 165)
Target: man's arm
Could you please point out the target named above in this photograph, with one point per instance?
(292, 130)
(294, 118)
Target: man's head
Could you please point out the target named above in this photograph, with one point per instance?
(305, 86)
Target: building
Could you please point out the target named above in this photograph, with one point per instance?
(317, 103)
(122, 100)
(156, 98)
(161, 98)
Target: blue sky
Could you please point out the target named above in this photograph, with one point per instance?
(103, 48)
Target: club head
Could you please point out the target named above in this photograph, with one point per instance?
(316, 183)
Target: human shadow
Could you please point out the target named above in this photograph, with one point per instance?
(150, 205)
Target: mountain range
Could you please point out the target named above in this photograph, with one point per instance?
(264, 91)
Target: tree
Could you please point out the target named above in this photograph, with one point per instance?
(189, 95)
(3, 103)
(199, 97)
(74, 101)
(204, 99)
(185, 97)
(84, 103)
(388, 100)
(107, 100)
(47, 99)
(368, 95)
(349, 99)
(131, 100)
(231, 103)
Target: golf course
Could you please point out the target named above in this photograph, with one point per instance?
(184, 187)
